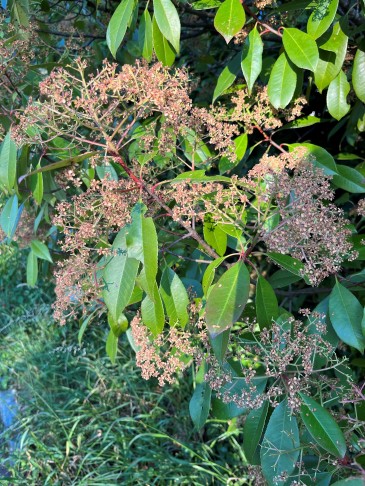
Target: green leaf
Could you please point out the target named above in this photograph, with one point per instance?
(252, 58)
(118, 24)
(301, 48)
(112, 346)
(37, 186)
(227, 299)
(219, 343)
(153, 315)
(267, 307)
(283, 278)
(349, 179)
(119, 326)
(337, 93)
(205, 4)
(9, 216)
(200, 404)
(358, 75)
(229, 19)
(252, 430)
(280, 447)
(215, 236)
(41, 250)
(163, 50)
(145, 35)
(321, 17)
(7, 163)
(346, 314)
(209, 274)
(322, 426)
(142, 244)
(168, 21)
(287, 262)
(282, 82)
(332, 54)
(32, 269)
(20, 11)
(119, 276)
(175, 298)
(320, 157)
(227, 76)
(350, 482)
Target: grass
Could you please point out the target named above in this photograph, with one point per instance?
(84, 421)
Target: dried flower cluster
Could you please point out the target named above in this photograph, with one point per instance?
(163, 356)
(310, 229)
(280, 361)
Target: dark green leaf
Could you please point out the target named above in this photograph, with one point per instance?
(288, 263)
(322, 426)
(320, 157)
(200, 404)
(175, 298)
(41, 250)
(280, 446)
(227, 299)
(346, 314)
(227, 76)
(229, 19)
(283, 278)
(252, 430)
(252, 58)
(219, 343)
(112, 346)
(119, 276)
(349, 179)
(118, 24)
(168, 21)
(267, 308)
(7, 163)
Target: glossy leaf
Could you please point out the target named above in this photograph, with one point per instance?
(215, 236)
(118, 24)
(301, 48)
(219, 343)
(280, 447)
(322, 426)
(349, 179)
(37, 187)
(358, 75)
(320, 157)
(227, 299)
(209, 274)
(141, 239)
(175, 298)
(287, 262)
(163, 50)
(41, 250)
(9, 216)
(145, 35)
(267, 308)
(119, 276)
(7, 163)
(168, 21)
(229, 19)
(227, 76)
(32, 269)
(332, 54)
(322, 17)
(337, 93)
(346, 314)
(111, 346)
(282, 82)
(252, 58)
(253, 429)
(153, 315)
(200, 404)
